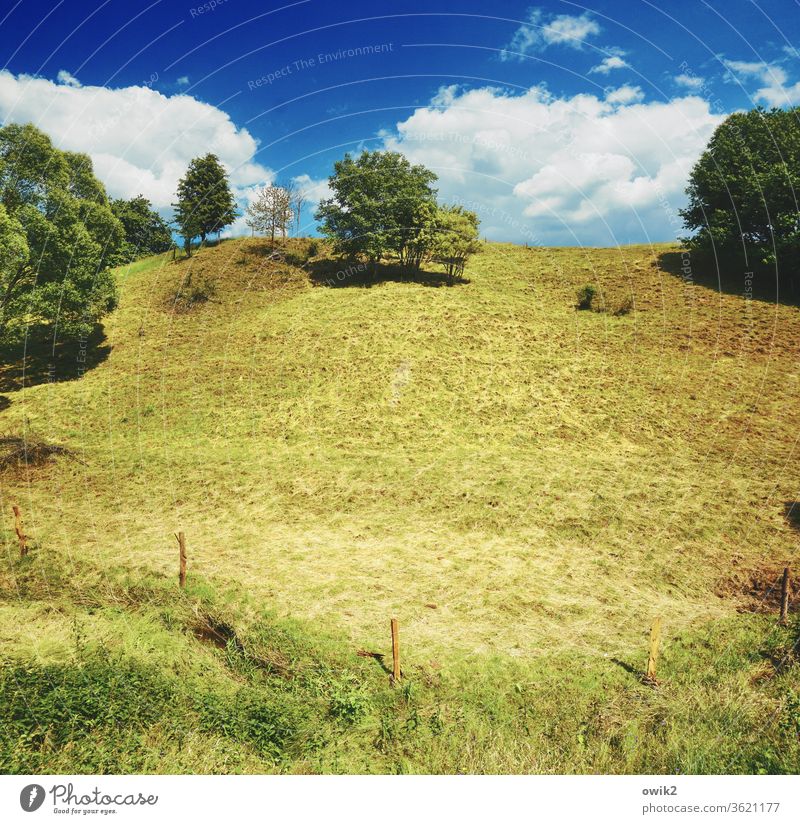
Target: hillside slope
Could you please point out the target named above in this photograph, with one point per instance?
(521, 484)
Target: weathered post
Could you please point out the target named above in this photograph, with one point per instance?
(395, 651)
(785, 596)
(652, 658)
(23, 540)
(182, 568)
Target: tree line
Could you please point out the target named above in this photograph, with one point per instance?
(60, 233)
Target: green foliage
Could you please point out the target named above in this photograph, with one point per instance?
(266, 721)
(743, 192)
(58, 237)
(586, 296)
(205, 201)
(68, 707)
(146, 232)
(381, 205)
(349, 701)
(455, 238)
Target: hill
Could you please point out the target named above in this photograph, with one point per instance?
(524, 486)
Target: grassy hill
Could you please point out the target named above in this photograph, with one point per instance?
(522, 485)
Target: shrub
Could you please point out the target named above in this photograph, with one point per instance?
(194, 292)
(266, 721)
(455, 238)
(625, 307)
(586, 296)
(348, 702)
(313, 248)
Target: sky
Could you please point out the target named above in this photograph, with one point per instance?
(558, 123)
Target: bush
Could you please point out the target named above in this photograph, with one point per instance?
(626, 306)
(313, 248)
(194, 292)
(348, 702)
(586, 296)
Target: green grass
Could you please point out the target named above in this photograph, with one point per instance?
(522, 484)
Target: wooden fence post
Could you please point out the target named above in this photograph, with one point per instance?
(395, 651)
(785, 596)
(652, 658)
(23, 540)
(182, 568)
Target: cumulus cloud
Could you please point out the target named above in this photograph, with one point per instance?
(624, 95)
(689, 81)
(775, 91)
(140, 140)
(541, 31)
(548, 170)
(65, 78)
(608, 65)
(313, 189)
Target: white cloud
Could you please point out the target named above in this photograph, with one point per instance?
(624, 95)
(140, 140)
(183, 81)
(65, 78)
(608, 64)
(314, 190)
(690, 81)
(775, 92)
(745, 67)
(549, 170)
(539, 32)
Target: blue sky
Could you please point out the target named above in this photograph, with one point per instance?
(559, 123)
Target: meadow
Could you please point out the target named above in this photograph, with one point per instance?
(525, 486)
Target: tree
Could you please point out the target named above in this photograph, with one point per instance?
(381, 204)
(271, 211)
(297, 198)
(146, 232)
(744, 189)
(205, 201)
(455, 238)
(58, 238)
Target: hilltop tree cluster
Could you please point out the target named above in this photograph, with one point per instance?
(60, 234)
(383, 206)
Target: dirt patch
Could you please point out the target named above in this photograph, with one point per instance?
(19, 453)
(757, 590)
(210, 630)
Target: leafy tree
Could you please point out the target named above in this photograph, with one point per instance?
(146, 232)
(271, 211)
(58, 237)
(455, 238)
(381, 204)
(744, 189)
(205, 201)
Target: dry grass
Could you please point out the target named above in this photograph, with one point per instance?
(549, 479)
